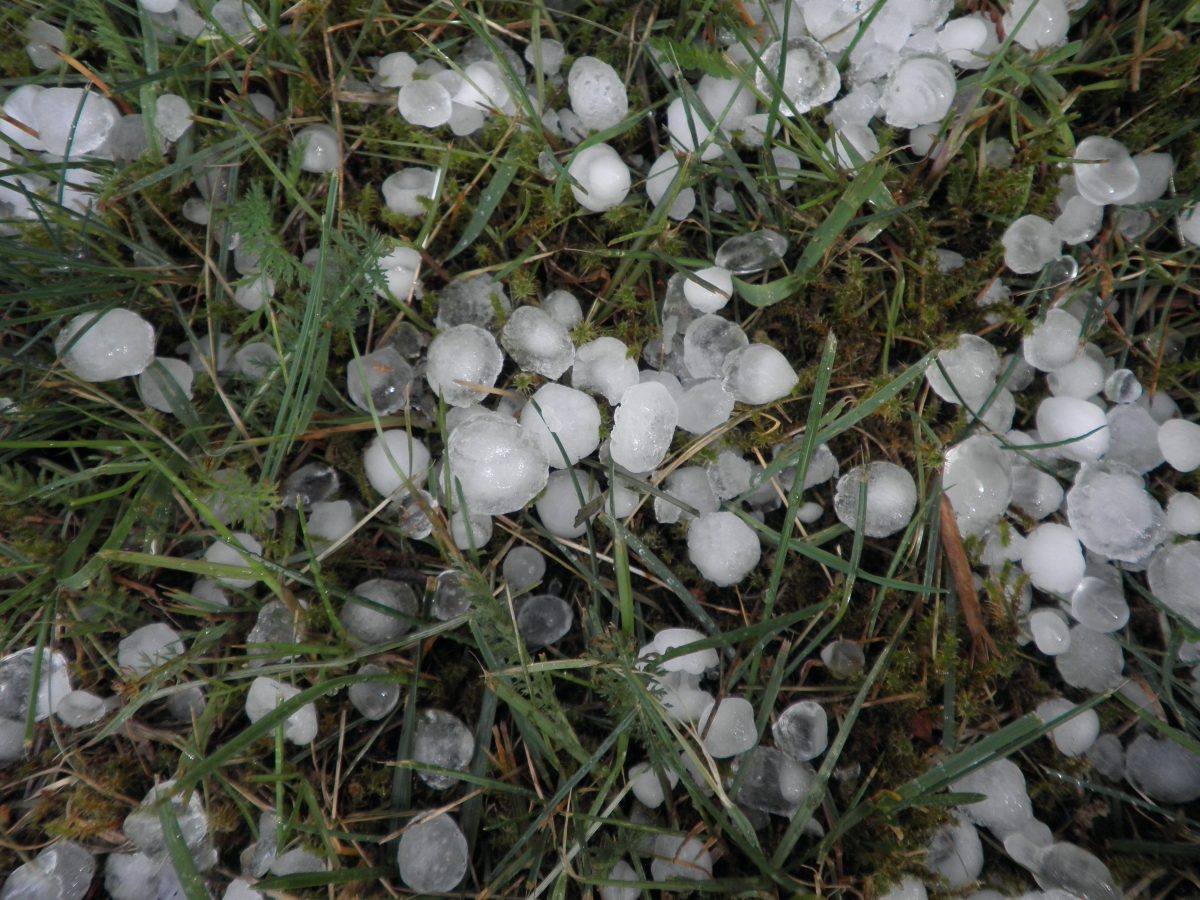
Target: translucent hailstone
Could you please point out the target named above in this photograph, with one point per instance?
(802, 70)
(498, 465)
(1093, 662)
(786, 165)
(1122, 386)
(1099, 603)
(442, 740)
(469, 531)
(17, 681)
(1113, 515)
(687, 486)
(1162, 769)
(379, 612)
(1005, 806)
(730, 475)
(1104, 171)
(43, 38)
(563, 307)
(461, 356)
(758, 373)
(320, 147)
(603, 367)
(601, 178)
(643, 425)
(544, 619)
(1154, 177)
(395, 70)
(727, 727)
(852, 145)
(658, 182)
(266, 694)
(274, 627)
(380, 381)
(244, 549)
(1053, 559)
(1133, 432)
(164, 382)
(1078, 427)
(770, 781)
(707, 342)
(308, 484)
(1174, 573)
(374, 699)
(405, 191)
(690, 129)
(843, 659)
(1050, 630)
(433, 854)
(756, 251)
(978, 481)
(62, 871)
(71, 122)
(567, 492)
(680, 858)
(537, 343)
(564, 422)
(597, 93)
(1036, 493)
(546, 55)
(395, 460)
(1075, 736)
(424, 103)
(1037, 24)
(802, 730)
(1079, 221)
(472, 301)
(967, 370)
(723, 548)
(956, 854)
(524, 568)
(1179, 441)
(106, 346)
(968, 41)
(890, 502)
(1183, 514)
(919, 92)
(1030, 244)
(647, 784)
(1065, 869)
(708, 290)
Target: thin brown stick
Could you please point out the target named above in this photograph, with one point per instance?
(960, 570)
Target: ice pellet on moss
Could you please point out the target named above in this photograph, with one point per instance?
(601, 178)
(723, 548)
(266, 694)
(105, 346)
(247, 547)
(320, 147)
(164, 383)
(890, 501)
(597, 93)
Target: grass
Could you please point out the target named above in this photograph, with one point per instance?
(106, 506)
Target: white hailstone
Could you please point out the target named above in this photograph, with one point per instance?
(723, 548)
(601, 178)
(690, 130)
(424, 103)
(1075, 736)
(680, 858)
(890, 502)
(658, 181)
(1099, 604)
(643, 425)
(163, 380)
(754, 130)
(603, 367)
(19, 106)
(730, 475)
(482, 87)
(331, 520)
(1078, 428)
(395, 70)
(537, 343)
(682, 697)
(470, 531)
(1154, 177)
(1051, 631)
(852, 145)
(758, 374)
(1081, 378)
(571, 415)
(1130, 537)
(1053, 559)
(858, 107)
(708, 290)
(728, 101)
(559, 505)
(404, 191)
(787, 166)
(208, 591)
(668, 640)
(172, 116)
(1104, 171)
(968, 41)
(723, 200)
(72, 122)
(459, 357)
(464, 120)
(499, 466)
(42, 39)
(597, 93)
(709, 339)
(622, 871)
(727, 727)
(433, 855)
(1162, 769)
(965, 372)
(1030, 244)
(647, 784)
(1189, 224)
(956, 854)
(236, 18)
(1179, 441)
(106, 346)
(1054, 341)
(1037, 24)
(253, 292)
(1183, 514)
(395, 460)
(148, 648)
(1036, 493)
(1005, 806)
(546, 55)
(399, 268)
(244, 549)
(442, 739)
(920, 92)
(563, 307)
(321, 148)
(266, 694)
(802, 70)
(978, 481)
(1079, 221)
(687, 486)
(1174, 573)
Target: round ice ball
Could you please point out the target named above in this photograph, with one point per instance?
(602, 178)
(321, 148)
(459, 357)
(890, 503)
(1104, 171)
(395, 459)
(1037, 24)
(106, 346)
(597, 93)
(723, 548)
(571, 416)
(238, 553)
(163, 380)
(1053, 559)
(919, 92)
(708, 290)
(403, 191)
(433, 854)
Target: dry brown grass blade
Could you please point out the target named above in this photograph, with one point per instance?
(960, 570)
